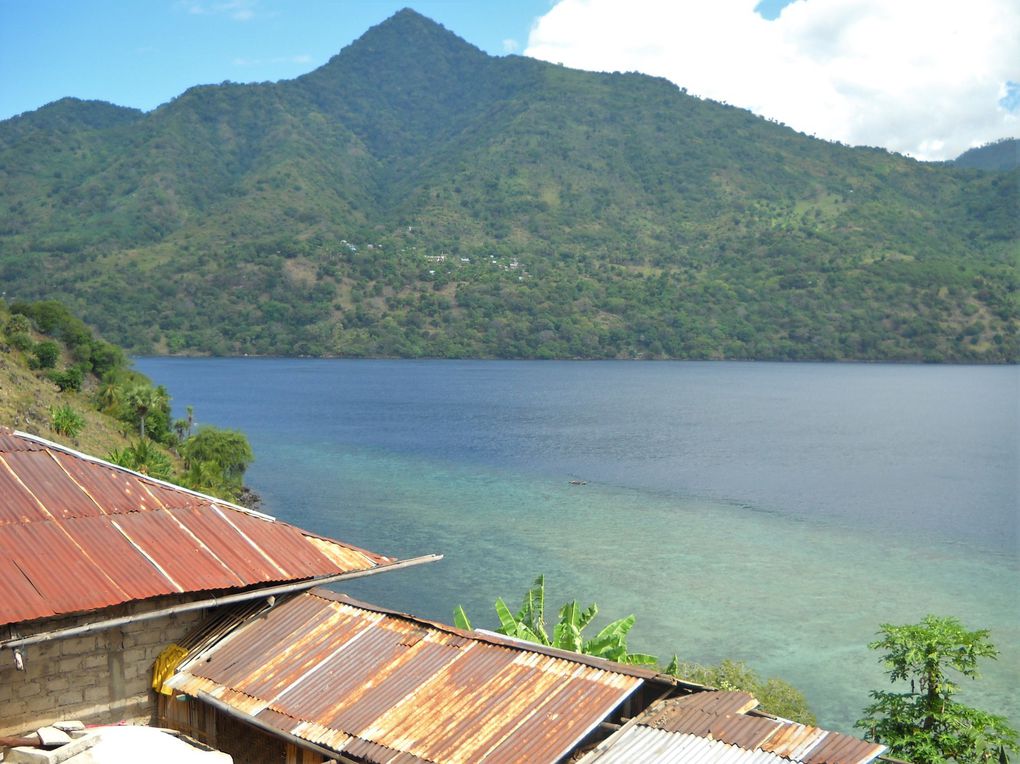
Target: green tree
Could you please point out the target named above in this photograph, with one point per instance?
(215, 461)
(925, 724)
(143, 400)
(529, 624)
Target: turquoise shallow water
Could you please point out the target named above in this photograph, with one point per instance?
(714, 510)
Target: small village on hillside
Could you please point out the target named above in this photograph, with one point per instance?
(144, 620)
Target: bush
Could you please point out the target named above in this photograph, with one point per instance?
(18, 324)
(776, 696)
(68, 379)
(21, 341)
(46, 355)
(66, 421)
(143, 456)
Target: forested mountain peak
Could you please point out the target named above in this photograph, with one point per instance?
(68, 115)
(415, 196)
(998, 155)
(401, 84)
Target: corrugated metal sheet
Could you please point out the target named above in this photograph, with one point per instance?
(79, 534)
(836, 748)
(385, 687)
(723, 719)
(647, 744)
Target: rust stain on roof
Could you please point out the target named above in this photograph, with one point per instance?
(385, 687)
(79, 534)
(729, 718)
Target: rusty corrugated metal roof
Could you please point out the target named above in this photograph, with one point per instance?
(724, 719)
(639, 743)
(380, 686)
(79, 534)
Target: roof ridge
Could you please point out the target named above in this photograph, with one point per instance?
(165, 483)
(500, 640)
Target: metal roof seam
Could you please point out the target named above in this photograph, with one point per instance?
(313, 669)
(206, 547)
(147, 556)
(245, 536)
(21, 482)
(584, 733)
(82, 488)
(166, 484)
(805, 750)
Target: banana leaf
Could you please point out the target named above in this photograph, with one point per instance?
(460, 619)
(507, 623)
(532, 612)
(567, 636)
(640, 659)
(611, 642)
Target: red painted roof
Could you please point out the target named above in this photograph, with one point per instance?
(78, 534)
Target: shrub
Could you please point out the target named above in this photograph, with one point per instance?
(775, 695)
(21, 341)
(66, 421)
(46, 355)
(143, 456)
(18, 324)
(68, 379)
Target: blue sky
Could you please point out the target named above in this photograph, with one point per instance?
(929, 79)
(142, 53)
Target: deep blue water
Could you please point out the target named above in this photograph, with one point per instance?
(774, 513)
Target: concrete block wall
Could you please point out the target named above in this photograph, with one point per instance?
(100, 677)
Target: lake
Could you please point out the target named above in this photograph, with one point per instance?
(770, 513)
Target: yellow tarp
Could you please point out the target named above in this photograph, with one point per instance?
(164, 667)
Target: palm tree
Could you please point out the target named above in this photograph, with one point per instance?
(143, 399)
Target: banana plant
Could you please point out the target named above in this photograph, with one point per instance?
(529, 624)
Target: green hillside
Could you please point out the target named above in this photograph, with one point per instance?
(416, 197)
(999, 155)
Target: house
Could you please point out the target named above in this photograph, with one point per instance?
(101, 568)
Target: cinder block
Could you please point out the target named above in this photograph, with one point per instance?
(42, 705)
(94, 661)
(70, 698)
(26, 688)
(56, 684)
(97, 695)
(70, 665)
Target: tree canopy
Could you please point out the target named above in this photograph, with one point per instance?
(925, 724)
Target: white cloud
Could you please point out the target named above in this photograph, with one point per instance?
(923, 77)
(239, 10)
(510, 45)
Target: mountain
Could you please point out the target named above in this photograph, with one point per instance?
(1000, 155)
(415, 196)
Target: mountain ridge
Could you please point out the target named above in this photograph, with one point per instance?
(673, 223)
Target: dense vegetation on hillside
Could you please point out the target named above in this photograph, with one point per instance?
(416, 197)
(59, 381)
(1001, 155)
